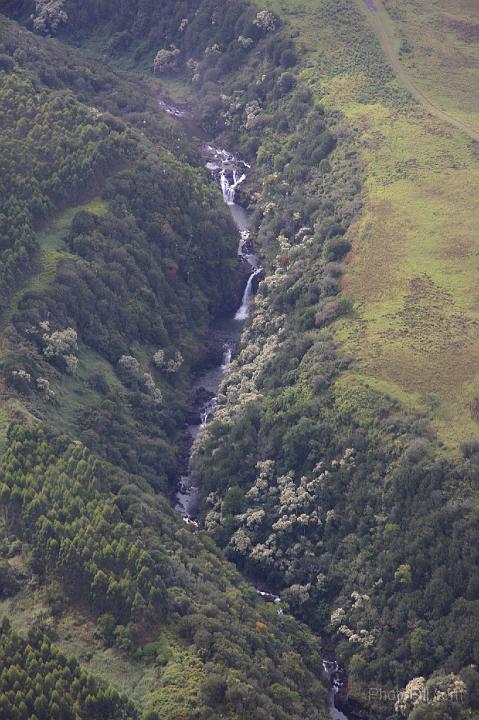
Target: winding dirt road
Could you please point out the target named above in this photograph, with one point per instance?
(388, 46)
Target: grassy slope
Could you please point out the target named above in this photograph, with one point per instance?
(413, 270)
(143, 680)
(440, 50)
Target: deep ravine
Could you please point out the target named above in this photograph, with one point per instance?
(230, 172)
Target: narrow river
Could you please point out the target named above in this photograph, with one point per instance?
(230, 172)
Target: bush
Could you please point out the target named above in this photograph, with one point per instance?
(336, 248)
(288, 59)
(6, 63)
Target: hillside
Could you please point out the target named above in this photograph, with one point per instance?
(438, 46)
(412, 272)
(122, 254)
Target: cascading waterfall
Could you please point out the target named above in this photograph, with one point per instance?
(243, 311)
(229, 189)
(227, 355)
(334, 673)
(224, 166)
(229, 172)
(230, 178)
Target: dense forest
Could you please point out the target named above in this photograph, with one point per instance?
(337, 498)
(103, 325)
(114, 547)
(144, 253)
(39, 682)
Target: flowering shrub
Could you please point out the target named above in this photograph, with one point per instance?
(245, 42)
(175, 363)
(49, 15)
(438, 689)
(60, 343)
(129, 365)
(265, 20)
(159, 359)
(165, 60)
(43, 386)
(63, 345)
(132, 373)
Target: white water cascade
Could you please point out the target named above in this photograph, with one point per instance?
(332, 670)
(227, 355)
(243, 311)
(229, 171)
(229, 189)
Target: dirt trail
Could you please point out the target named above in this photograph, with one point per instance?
(405, 78)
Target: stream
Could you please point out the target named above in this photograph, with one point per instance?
(230, 172)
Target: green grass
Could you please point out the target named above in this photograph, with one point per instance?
(439, 50)
(4, 422)
(414, 267)
(25, 610)
(412, 275)
(77, 639)
(74, 393)
(172, 688)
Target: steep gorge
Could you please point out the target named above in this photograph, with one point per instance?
(97, 365)
(334, 494)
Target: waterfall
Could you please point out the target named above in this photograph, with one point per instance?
(171, 109)
(333, 672)
(243, 311)
(229, 189)
(222, 163)
(228, 351)
(230, 178)
(208, 411)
